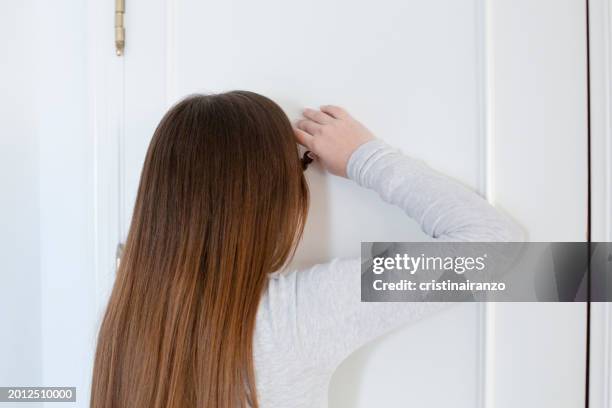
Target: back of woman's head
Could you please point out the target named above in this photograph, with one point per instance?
(221, 203)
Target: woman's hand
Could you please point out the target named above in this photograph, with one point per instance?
(332, 135)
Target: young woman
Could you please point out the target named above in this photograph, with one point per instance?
(199, 315)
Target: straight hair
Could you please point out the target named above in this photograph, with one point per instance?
(222, 202)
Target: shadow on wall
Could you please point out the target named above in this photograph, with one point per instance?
(315, 246)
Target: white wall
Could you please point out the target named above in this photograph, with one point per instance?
(46, 202)
(20, 313)
(66, 197)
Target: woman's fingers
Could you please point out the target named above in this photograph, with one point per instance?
(334, 111)
(332, 134)
(309, 126)
(303, 138)
(317, 116)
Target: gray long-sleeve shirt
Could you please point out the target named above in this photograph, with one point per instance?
(310, 320)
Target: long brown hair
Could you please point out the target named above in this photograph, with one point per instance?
(221, 203)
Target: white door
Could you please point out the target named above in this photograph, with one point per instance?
(492, 93)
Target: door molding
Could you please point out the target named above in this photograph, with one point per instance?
(600, 44)
(600, 370)
(600, 78)
(105, 100)
(536, 90)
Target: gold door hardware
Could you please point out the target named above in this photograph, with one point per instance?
(118, 255)
(119, 28)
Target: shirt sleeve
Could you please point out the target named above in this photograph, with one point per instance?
(445, 209)
(326, 316)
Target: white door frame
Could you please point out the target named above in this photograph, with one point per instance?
(600, 46)
(105, 96)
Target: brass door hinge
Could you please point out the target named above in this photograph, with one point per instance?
(118, 255)
(119, 27)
